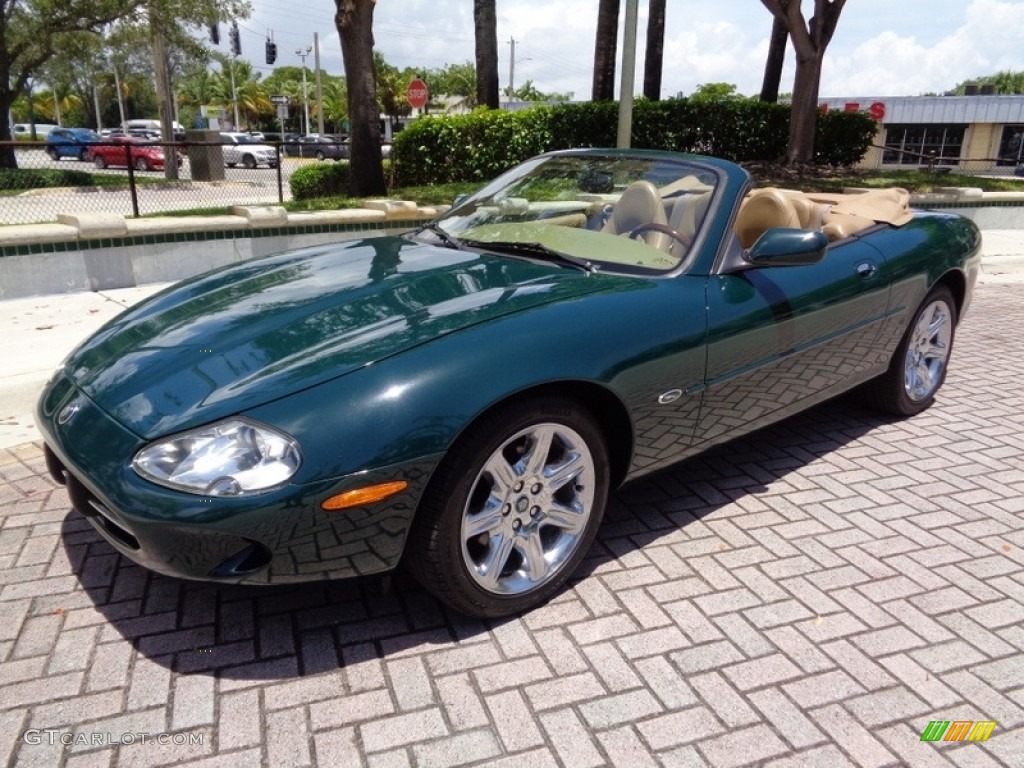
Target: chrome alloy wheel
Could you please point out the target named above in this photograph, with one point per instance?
(928, 351)
(528, 509)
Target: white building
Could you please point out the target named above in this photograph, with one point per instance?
(972, 133)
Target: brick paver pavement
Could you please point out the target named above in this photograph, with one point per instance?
(811, 596)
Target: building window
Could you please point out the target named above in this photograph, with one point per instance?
(923, 144)
(1011, 148)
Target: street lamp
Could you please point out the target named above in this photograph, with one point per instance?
(305, 97)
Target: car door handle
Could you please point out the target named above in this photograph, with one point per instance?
(867, 269)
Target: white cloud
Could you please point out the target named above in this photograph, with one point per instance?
(881, 47)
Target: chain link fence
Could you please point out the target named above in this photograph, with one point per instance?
(130, 178)
(904, 159)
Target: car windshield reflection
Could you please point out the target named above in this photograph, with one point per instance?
(617, 212)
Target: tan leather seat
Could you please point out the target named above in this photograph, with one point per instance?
(639, 204)
(764, 209)
(685, 219)
(839, 226)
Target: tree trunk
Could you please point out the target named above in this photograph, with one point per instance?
(809, 41)
(485, 18)
(8, 159)
(354, 21)
(775, 61)
(164, 97)
(605, 49)
(804, 111)
(654, 56)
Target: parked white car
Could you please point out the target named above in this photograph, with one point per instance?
(241, 148)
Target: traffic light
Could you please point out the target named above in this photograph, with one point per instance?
(271, 51)
(215, 34)
(236, 43)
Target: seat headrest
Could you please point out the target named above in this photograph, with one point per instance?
(764, 210)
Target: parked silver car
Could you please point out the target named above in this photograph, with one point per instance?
(241, 148)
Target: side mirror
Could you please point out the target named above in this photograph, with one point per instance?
(786, 247)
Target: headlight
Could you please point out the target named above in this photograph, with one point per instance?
(230, 458)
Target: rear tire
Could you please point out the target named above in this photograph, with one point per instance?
(99, 162)
(918, 367)
(249, 162)
(53, 153)
(513, 508)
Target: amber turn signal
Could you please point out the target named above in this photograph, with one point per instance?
(359, 497)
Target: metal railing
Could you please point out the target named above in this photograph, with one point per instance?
(113, 176)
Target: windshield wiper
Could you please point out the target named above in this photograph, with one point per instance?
(442, 235)
(534, 250)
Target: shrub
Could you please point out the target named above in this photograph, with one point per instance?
(842, 138)
(474, 147)
(483, 144)
(37, 178)
(320, 180)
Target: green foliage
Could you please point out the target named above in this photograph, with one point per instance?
(38, 178)
(715, 92)
(320, 180)
(470, 147)
(482, 145)
(1005, 82)
(842, 138)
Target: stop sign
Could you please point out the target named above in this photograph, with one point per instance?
(417, 94)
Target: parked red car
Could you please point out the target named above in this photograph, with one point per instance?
(142, 155)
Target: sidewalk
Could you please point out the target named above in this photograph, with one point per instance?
(821, 593)
(40, 331)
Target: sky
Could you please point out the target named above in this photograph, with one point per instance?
(880, 48)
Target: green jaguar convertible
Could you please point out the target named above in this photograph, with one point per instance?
(464, 398)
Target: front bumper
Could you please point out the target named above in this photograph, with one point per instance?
(282, 536)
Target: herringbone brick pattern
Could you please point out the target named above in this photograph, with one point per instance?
(811, 596)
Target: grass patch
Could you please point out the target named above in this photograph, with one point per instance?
(814, 179)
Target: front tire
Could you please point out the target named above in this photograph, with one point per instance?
(249, 162)
(99, 162)
(513, 508)
(918, 368)
(142, 164)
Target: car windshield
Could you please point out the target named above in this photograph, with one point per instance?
(617, 212)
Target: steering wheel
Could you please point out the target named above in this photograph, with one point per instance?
(664, 229)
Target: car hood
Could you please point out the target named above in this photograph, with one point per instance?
(242, 336)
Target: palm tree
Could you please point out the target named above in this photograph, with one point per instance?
(655, 49)
(335, 103)
(485, 19)
(354, 20)
(605, 48)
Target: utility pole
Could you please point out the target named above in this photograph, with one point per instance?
(625, 131)
(512, 69)
(319, 87)
(305, 96)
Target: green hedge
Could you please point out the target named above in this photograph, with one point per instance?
(38, 178)
(320, 180)
(485, 143)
